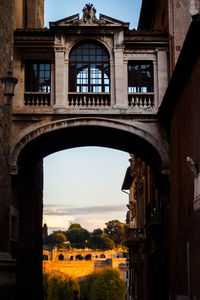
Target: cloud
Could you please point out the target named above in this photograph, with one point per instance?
(59, 217)
(56, 221)
(92, 223)
(62, 210)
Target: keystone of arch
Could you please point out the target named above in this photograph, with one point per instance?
(148, 131)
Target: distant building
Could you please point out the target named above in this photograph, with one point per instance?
(82, 262)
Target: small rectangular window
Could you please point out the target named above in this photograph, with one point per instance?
(140, 76)
(38, 77)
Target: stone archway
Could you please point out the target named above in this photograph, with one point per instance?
(32, 144)
(149, 141)
(88, 257)
(61, 257)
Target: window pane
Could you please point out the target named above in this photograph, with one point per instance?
(85, 58)
(94, 58)
(47, 74)
(107, 89)
(86, 51)
(41, 73)
(37, 77)
(47, 67)
(140, 77)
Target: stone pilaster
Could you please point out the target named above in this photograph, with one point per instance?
(60, 97)
(162, 74)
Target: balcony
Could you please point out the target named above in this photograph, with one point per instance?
(37, 99)
(154, 225)
(87, 100)
(154, 217)
(141, 100)
(135, 236)
(136, 101)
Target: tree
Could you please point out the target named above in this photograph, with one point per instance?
(86, 284)
(45, 233)
(75, 226)
(107, 243)
(100, 240)
(97, 232)
(77, 237)
(59, 286)
(61, 240)
(108, 286)
(116, 232)
(103, 285)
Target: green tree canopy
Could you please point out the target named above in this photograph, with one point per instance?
(107, 243)
(45, 233)
(100, 240)
(59, 286)
(116, 231)
(104, 285)
(77, 237)
(75, 226)
(61, 240)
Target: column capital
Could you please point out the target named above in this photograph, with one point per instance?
(59, 49)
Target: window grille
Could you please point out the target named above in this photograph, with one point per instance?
(89, 69)
(38, 77)
(140, 77)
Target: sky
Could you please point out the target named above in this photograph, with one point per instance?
(126, 10)
(84, 184)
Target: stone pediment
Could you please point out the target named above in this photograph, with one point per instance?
(89, 19)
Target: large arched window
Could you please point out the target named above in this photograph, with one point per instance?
(89, 69)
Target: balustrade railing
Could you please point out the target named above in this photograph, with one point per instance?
(89, 100)
(135, 234)
(37, 99)
(141, 100)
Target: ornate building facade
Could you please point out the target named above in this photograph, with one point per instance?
(90, 81)
(148, 254)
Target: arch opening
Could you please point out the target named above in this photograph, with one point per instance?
(35, 149)
(89, 68)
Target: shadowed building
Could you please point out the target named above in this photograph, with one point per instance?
(88, 81)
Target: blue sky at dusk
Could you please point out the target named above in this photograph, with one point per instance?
(84, 184)
(126, 10)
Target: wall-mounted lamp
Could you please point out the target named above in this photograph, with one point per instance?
(9, 83)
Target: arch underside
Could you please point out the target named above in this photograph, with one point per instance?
(34, 145)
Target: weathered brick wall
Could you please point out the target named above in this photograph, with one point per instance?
(6, 53)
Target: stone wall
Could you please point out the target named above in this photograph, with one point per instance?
(179, 11)
(35, 14)
(73, 268)
(81, 268)
(7, 265)
(6, 52)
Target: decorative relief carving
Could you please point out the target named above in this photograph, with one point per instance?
(89, 12)
(89, 16)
